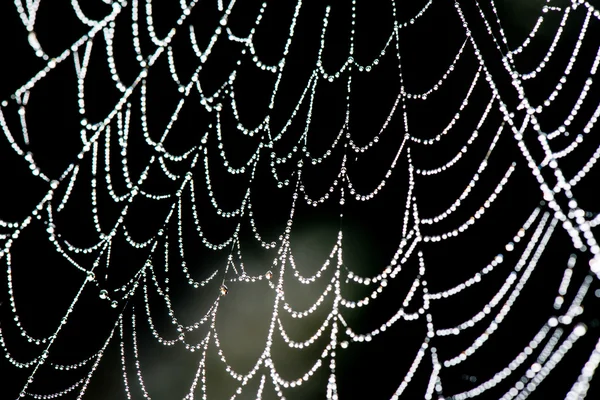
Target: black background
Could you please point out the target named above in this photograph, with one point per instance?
(45, 283)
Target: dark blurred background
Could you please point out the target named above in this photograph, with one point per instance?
(45, 282)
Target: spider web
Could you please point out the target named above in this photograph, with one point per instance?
(263, 200)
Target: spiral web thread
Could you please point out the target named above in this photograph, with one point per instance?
(559, 209)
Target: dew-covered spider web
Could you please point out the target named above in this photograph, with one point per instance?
(299, 199)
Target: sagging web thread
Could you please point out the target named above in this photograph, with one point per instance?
(560, 209)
